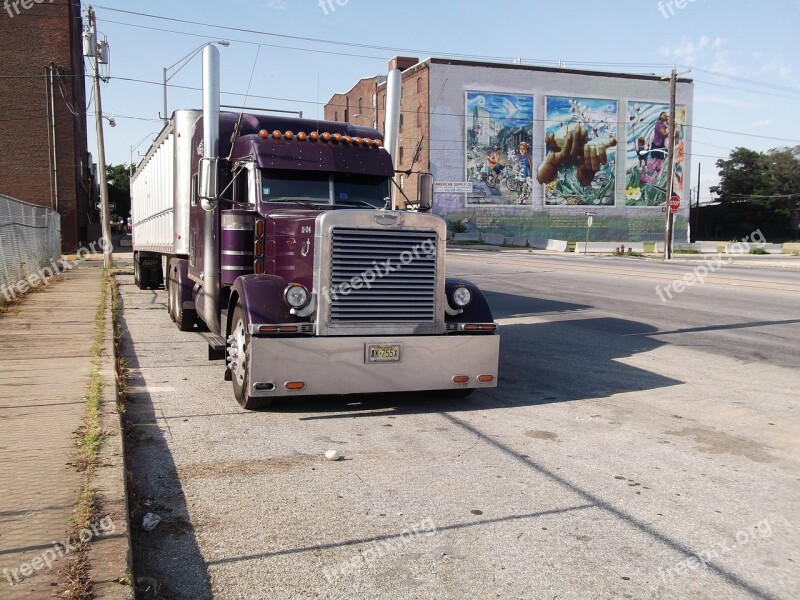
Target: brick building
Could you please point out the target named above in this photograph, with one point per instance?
(45, 159)
(365, 104)
(459, 118)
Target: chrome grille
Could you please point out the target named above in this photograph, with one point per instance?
(407, 294)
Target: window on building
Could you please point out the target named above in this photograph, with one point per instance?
(360, 106)
(346, 115)
(401, 121)
(374, 100)
(419, 116)
(419, 85)
(336, 115)
(400, 157)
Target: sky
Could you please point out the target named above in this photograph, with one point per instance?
(744, 56)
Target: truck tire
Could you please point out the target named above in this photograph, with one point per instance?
(184, 319)
(144, 279)
(238, 357)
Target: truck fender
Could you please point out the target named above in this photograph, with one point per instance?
(477, 311)
(261, 297)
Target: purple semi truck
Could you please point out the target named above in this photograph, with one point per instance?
(274, 237)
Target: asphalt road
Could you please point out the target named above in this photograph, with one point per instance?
(634, 449)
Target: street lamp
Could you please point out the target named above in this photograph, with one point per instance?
(185, 60)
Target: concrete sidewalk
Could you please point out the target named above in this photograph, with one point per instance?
(45, 361)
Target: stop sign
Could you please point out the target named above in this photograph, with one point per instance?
(674, 203)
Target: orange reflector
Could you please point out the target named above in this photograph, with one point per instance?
(461, 379)
(326, 137)
(337, 137)
(295, 385)
(480, 327)
(348, 139)
(260, 248)
(258, 267)
(359, 141)
(260, 228)
(263, 133)
(277, 134)
(301, 136)
(313, 136)
(378, 143)
(485, 378)
(368, 141)
(267, 329)
(289, 135)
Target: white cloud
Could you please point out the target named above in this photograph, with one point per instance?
(760, 124)
(725, 101)
(276, 4)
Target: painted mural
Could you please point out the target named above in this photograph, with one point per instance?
(580, 151)
(646, 164)
(499, 131)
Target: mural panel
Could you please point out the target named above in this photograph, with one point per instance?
(646, 164)
(499, 130)
(580, 152)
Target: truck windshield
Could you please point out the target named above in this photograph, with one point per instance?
(295, 186)
(360, 190)
(312, 187)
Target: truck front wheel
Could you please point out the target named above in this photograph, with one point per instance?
(238, 358)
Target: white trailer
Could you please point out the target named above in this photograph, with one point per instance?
(161, 191)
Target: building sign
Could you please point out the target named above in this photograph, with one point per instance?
(453, 187)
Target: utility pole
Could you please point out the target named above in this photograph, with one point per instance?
(673, 84)
(94, 56)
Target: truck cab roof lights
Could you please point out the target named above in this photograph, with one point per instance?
(325, 136)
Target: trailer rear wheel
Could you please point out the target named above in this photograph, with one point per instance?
(184, 319)
(238, 358)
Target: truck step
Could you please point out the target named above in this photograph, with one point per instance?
(216, 345)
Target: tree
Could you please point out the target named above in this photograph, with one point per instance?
(119, 189)
(783, 173)
(741, 176)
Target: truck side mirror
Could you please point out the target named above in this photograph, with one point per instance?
(208, 183)
(425, 192)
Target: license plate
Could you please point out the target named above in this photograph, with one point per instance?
(380, 353)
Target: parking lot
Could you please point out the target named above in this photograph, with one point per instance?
(635, 448)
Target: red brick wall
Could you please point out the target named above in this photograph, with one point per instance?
(31, 40)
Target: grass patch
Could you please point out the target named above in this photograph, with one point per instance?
(76, 583)
(632, 253)
(687, 251)
(760, 251)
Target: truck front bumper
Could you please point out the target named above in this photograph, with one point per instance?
(340, 365)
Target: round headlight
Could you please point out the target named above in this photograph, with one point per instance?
(462, 297)
(296, 295)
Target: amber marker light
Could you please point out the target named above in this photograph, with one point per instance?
(295, 385)
(258, 267)
(260, 248)
(378, 143)
(461, 379)
(277, 134)
(326, 137)
(313, 136)
(301, 136)
(260, 228)
(263, 133)
(288, 135)
(337, 137)
(368, 142)
(485, 378)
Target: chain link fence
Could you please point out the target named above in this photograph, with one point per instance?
(30, 239)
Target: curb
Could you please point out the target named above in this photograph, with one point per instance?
(109, 556)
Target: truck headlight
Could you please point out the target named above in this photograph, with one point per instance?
(462, 297)
(296, 295)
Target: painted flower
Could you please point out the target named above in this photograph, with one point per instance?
(633, 193)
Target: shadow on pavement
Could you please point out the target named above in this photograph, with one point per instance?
(168, 558)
